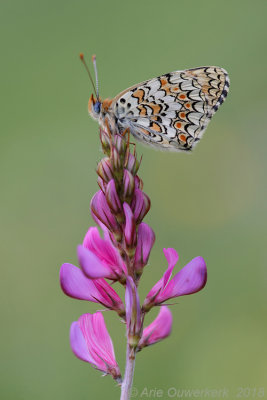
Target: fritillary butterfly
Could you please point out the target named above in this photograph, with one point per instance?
(170, 112)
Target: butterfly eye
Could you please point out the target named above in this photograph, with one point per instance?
(97, 107)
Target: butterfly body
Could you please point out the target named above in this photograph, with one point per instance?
(170, 112)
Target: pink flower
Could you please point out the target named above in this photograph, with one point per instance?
(90, 342)
(158, 330)
(98, 257)
(75, 284)
(190, 279)
(101, 212)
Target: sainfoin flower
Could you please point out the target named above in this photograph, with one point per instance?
(158, 330)
(75, 284)
(90, 341)
(100, 259)
(116, 252)
(190, 279)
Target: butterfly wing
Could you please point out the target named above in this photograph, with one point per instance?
(172, 111)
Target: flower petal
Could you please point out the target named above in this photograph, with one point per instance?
(191, 279)
(155, 292)
(172, 258)
(75, 284)
(98, 341)
(92, 265)
(105, 251)
(152, 296)
(108, 296)
(159, 329)
(78, 344)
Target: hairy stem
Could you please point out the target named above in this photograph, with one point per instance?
(129, 373)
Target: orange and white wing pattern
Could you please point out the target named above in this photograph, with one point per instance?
(171, 112)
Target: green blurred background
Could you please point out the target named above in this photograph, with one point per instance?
(211, 203)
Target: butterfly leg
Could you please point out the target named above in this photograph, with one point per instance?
(127, 131)
(108, 129)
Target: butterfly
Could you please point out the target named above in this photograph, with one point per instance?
(170, 112)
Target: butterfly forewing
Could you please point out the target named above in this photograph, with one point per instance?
(172, 111)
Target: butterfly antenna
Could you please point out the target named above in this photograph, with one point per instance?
(87, 69)
(96, 76)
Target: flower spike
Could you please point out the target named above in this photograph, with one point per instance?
(118, 249)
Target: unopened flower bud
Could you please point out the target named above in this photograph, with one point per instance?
(140, 205)
(116, 160)
(121, 145)
(128, 185)
(113, 198)
(104, 170)
(105, 141)
(132, 164)
(138, 182)
(129, 229)
(101, 184)
(145, 242)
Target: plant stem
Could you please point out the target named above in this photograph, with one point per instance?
(129, 373)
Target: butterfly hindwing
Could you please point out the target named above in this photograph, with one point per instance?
(173, 110)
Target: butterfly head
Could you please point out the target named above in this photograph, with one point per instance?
(94, 107)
